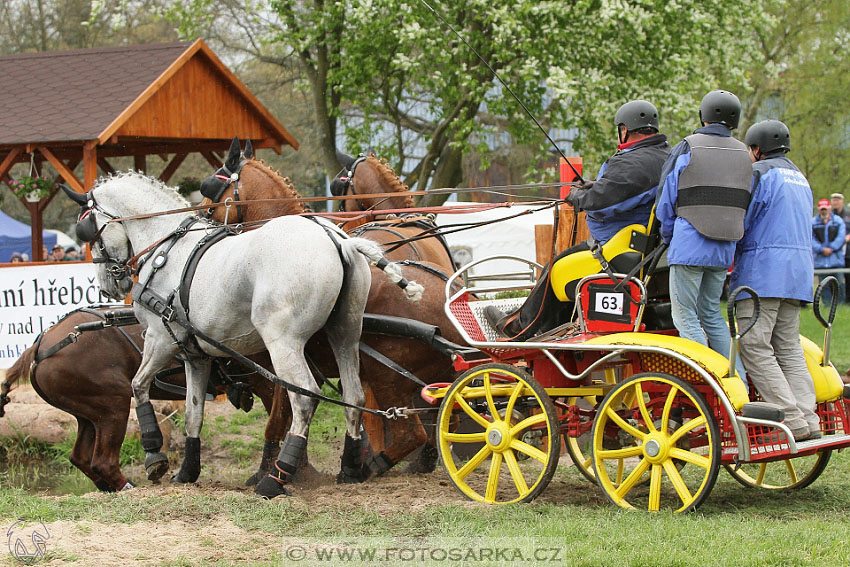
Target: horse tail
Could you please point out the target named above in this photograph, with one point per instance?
(20, 369)
(412, 290)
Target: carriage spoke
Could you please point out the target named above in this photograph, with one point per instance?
(516, 473)
(476, 417)
(678, 482)
(689, 457)
(668, 405)
(473, 463)
(621, 470)
(527, 422)
(532, 452)
(655, 488)
(512, 401)
(762, 471)
(621, 453)
(644, 412)
(466, 437)
(634, 477)
(792, 473)
(488, 393)
(493, 478)
(686, 428)
(637, 434)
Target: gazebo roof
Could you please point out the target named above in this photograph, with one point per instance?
(163, 92)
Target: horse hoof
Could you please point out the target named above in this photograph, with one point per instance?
(156, 465)
(103, 486)
(255, 478)
(181, 478)
(347, 478)
(269, 488)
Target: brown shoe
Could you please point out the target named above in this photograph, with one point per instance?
(494, 316)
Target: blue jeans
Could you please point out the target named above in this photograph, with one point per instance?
(695, 296)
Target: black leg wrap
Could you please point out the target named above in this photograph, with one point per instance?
(103, 486)
(353, 470)
(149, 428)
(270, 450)
(290, 455)
(191, 467)
(241, 396)
(379, 464)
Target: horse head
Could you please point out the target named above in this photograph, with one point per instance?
(367, 175)
(243, 178)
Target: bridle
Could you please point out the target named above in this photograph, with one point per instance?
(342, 184)
(215, 185)
(88, 231)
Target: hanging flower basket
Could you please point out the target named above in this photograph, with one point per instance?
(32, 188)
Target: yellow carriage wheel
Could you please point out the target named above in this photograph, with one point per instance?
(787, 474)
(667, 435)
(516, 428)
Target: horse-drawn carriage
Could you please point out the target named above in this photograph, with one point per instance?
(647, 415)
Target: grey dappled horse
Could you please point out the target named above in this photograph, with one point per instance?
(270, 288)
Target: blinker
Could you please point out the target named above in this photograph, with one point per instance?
(86, 228)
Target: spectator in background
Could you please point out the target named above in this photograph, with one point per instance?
(58, 254)
(838, 210)
(25, 257)
(16, 257)
(828, 235)
(72, 254)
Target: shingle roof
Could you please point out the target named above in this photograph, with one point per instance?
(74, 95)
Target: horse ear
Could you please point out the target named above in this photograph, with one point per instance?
(232, 160)
(78, 198)
(344, 160)
(249, 150)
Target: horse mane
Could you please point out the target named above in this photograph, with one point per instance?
(284, 183)
(388, 176)
(156, 183)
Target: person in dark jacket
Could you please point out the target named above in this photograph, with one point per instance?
(704, 193)
(623, 194)
(828, 236)
(773, 259)
(839, 210)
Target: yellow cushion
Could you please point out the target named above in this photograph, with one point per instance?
(567, 271)
(828, 384)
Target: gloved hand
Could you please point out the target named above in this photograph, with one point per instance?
(576, 191)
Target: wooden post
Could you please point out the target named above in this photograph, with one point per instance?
(543, 242)
(37, 240)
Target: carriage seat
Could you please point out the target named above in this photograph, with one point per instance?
(623, 252)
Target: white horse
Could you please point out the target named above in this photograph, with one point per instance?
(271, 288)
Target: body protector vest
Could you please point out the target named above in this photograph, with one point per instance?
(715, 187)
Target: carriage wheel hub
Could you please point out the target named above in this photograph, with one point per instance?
(498, 436)
(655, 448)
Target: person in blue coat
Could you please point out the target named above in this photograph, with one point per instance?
(773, 258)
(704, 193)
(828, 232)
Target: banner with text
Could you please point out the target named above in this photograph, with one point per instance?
(32, 298)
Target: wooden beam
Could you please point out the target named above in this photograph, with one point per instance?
(212, 159)
(140, 163)
(105, 166)
(9, 161)
(66, 173)
(172, 167)
(89, 166)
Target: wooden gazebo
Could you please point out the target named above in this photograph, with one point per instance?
(87, 106)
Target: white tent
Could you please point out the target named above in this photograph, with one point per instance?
(512, 236)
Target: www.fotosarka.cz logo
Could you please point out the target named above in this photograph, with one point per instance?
(27, 541)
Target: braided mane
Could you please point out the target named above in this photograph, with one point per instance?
(388, 176)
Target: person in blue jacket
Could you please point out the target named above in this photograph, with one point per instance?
(622, 195)
(828, 232)
(774, 260)
(704, 193)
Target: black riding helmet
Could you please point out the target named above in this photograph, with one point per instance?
(720, 107)
(769, 136)
(637, 114)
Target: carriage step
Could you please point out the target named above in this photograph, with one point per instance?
(763, 410)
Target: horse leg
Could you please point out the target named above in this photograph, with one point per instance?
(406, 435)
(81, 454)
(197, 376)
(158, 352)
(276, 427)
(289, 363)
(105, 460)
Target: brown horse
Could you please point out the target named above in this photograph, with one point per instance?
(90, 379)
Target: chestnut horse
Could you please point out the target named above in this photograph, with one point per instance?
(90, 379)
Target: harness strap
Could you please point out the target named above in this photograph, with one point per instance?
(191, 266)
(390, 363)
